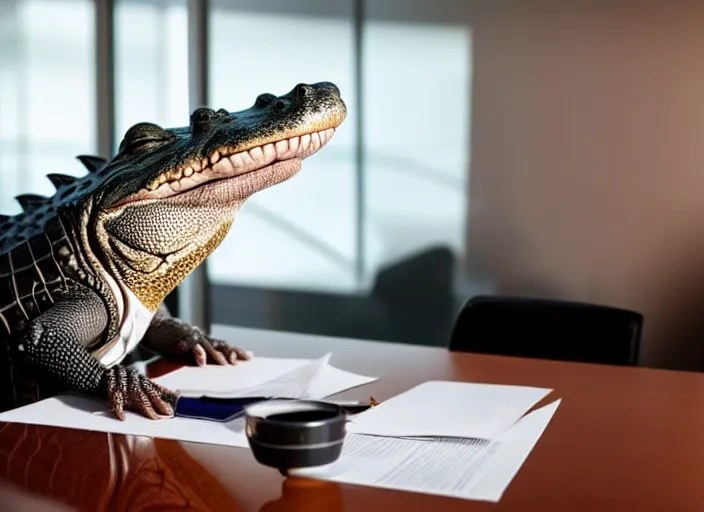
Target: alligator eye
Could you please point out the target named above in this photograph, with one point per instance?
(143, 136)
(279, 105)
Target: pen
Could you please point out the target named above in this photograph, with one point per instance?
(227, 409)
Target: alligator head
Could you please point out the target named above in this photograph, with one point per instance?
(169, 196)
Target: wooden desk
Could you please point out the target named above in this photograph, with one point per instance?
(623, 439)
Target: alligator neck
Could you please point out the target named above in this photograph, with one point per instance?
(91, 268)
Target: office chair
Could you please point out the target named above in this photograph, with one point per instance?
(548, 329)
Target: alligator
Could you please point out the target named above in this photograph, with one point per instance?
(84, 273)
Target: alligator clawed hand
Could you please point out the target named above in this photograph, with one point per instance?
(127, 389)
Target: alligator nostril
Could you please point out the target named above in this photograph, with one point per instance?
(203, 115)
(279, 105)
(327, 85)
(302, 90)
(202, 120)
(225, 116)
(264, 99)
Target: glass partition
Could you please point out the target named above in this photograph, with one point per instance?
(151, 64)
(47, 93)
(388, 195)
(416, 112)
(301, 234)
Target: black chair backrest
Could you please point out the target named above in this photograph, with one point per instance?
(548, 329)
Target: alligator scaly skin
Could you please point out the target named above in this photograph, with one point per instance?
(40, 262)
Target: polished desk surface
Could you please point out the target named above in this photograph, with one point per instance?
(622, 439)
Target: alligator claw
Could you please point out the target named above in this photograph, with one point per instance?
(127, 389)
(208, 350)
(181, 341)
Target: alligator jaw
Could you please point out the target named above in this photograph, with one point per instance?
(227, 164)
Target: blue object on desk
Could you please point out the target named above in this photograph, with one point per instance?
(227, 409)
(214, 409)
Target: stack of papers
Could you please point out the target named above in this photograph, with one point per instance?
(450, 409)
(454, 439)
(260, 376)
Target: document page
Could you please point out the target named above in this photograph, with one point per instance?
(449, 409)
(280, 377)
(266, 377)
(292, 378)
(476, 469)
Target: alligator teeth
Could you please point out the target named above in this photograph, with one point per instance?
(224, 164)
(305, 142)
(294, 143)
(269, 152)
(281, 146)
(257, 155)
(261, 156)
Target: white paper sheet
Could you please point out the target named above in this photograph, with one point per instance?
(449, 409)
(461, 468)
(513, 448)
(256, 377)
(293, 378)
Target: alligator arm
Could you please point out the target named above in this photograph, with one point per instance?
(175, 339)
(55, 342)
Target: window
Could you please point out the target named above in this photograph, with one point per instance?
(416, 112)
(47, 93)
(309, 233)
(302, 233)
(151, 64)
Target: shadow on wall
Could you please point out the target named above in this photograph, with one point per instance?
(682, 330)
(672, 297)
(411, 302)
(588, 162)
(665, 284)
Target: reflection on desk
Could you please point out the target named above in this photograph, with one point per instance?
(94, 471)
(610, 444)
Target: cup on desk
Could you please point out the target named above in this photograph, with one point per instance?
(292, 434)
